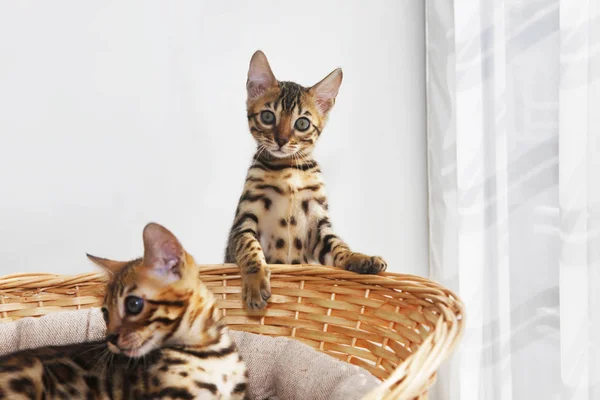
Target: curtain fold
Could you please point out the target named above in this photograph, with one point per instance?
(513, 101)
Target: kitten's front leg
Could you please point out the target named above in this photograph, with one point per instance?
(329, 249)
(245, 250)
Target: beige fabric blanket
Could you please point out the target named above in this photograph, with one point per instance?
(279, 368)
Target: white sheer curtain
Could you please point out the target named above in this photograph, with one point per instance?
(514, 171)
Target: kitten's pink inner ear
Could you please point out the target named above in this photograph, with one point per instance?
(326, 91)
(162, 252)
(260, 76)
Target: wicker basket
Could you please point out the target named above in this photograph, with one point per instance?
(398, 327)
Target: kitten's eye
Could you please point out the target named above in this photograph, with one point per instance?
(302, 124)
(267, 117)
(134, 305)
(105, 314)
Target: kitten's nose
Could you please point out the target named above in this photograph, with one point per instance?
(281, 141)
(113, 338)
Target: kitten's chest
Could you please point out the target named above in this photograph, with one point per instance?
(286, 227)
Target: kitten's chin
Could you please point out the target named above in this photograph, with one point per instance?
(278, 154)
(281, 154)
(134, 352)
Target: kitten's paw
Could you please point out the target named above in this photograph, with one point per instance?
(256, 289)
(364, 264)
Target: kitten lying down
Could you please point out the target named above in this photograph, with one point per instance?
(164, 339)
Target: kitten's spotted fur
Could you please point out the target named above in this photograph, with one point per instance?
(282, 216)
(165, 339)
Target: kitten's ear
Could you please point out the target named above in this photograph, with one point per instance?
(326, 91)
(162, 253)
(260, 76)
(109, 265)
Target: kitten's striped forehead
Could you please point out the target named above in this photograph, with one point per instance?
(290, 96)
(122, 281)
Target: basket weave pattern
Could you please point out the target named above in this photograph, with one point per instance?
(398, 327)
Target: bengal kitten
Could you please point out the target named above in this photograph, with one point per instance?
(282, 215)
(164, 339)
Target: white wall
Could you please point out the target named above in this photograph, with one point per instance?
(113, 114)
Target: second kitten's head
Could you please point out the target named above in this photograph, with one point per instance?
(285, 118)
(157, 300)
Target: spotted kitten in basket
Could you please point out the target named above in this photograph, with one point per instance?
(282, 215)
(164, 339)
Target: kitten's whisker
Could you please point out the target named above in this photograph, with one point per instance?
(304, 157)
(296, 159)
(49, 371)
(100, 360)
(261, 148)
(301, 156)
(92, 348)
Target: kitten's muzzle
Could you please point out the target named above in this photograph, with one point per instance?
(281, 141)
(113, 338)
